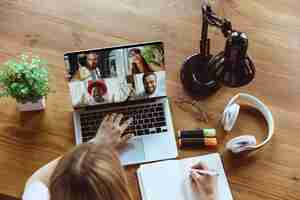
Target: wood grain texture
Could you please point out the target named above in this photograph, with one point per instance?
(49, 28)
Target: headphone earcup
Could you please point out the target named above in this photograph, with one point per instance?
(241, 143)
(230, 116)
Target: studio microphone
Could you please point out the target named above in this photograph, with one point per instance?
(233, 67)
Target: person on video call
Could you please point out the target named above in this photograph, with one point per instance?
(150, 84)
(91, 70)
(93, 171)
(139, 64)
(97, 90)
(85, 74)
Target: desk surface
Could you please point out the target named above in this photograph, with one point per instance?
(49, 28)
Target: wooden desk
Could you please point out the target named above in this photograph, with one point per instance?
(49, 28)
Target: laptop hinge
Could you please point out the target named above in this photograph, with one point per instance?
(121, 104)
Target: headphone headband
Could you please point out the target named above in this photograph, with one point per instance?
(262, 108)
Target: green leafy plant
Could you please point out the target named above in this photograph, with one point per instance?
(26, 79)
(153, 54)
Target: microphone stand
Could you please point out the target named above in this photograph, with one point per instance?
(201, 73)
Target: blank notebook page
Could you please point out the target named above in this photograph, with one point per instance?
(171, 179)
(162, 181)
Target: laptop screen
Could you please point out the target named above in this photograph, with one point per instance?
(117, 74)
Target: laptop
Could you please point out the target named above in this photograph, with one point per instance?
(130, 80)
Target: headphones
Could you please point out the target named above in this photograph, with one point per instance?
(245, 142)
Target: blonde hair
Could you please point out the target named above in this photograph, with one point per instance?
(89, 172)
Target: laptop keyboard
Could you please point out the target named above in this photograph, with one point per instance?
(147, 119)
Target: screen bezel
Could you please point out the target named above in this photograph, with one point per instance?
(113, 48)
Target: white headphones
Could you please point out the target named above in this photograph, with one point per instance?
(230, 115)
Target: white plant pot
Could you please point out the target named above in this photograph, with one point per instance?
(29, 106)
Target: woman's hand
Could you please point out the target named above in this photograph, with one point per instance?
(111, 130)
(206, 185)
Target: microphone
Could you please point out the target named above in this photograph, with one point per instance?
(233, 67)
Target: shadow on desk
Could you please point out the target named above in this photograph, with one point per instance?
(5, 197)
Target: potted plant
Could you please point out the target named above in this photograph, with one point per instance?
(25, 79)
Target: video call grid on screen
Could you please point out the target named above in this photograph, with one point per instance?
(116, 74)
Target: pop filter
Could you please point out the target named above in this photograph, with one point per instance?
(196, 77)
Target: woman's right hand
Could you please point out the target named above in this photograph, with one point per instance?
(206, 185)
(111, 131)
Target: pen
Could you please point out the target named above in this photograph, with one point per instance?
(205, 172)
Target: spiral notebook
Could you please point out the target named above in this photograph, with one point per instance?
(170, 179)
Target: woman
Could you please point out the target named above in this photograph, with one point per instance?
(97, 90)
(139, 64)
(92, 171)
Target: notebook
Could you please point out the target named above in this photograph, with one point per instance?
(170, 179)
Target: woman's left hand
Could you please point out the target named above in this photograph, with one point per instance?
(111, 130)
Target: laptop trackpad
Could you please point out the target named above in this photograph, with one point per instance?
(133, 152)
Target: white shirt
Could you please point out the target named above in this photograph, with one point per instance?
(85, 73)
(36, 191)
